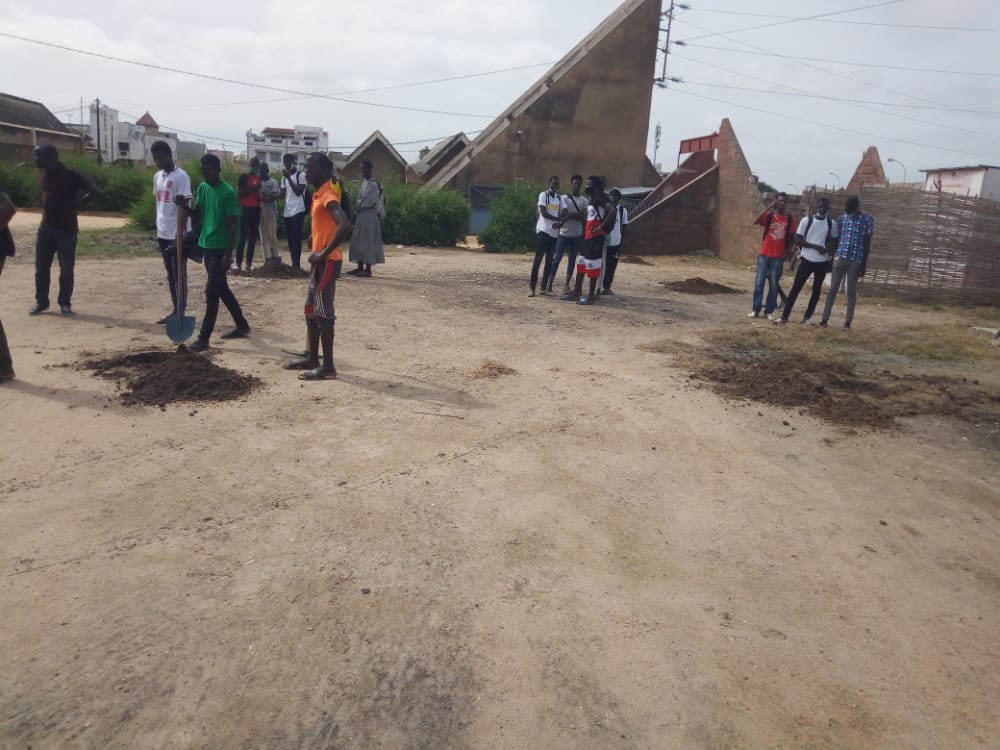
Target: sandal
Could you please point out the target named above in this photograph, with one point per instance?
(318, 374)
(301, 364)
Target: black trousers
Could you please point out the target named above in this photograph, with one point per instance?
(249, 233)
(545, 246)
(52, 243)
(6, 365)
(216, 290)
(806, 269)
(293, 233)
(611, 264)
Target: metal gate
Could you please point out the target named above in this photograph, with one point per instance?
(481, 197)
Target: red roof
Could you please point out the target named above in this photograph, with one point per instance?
(147, 121)
(279, 131)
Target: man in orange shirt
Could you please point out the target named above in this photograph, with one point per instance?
(329, 228)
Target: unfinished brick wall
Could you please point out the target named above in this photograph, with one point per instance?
(683, 223)
(870, 172)
(740, 203)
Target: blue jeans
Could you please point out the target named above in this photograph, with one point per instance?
(50, 244)
(575, 245)
(770, 269)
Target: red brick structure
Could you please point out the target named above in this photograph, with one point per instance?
(870, 172)
(589, 113)
(387, 163)
(708, 204)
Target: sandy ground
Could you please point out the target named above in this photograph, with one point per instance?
(590, 553)
(27, 221)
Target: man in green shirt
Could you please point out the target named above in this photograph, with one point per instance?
(215, 212)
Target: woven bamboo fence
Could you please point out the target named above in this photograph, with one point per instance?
(932, 248)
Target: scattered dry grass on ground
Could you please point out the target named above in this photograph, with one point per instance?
(490, 368)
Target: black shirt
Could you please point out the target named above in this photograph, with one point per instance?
(59, 193)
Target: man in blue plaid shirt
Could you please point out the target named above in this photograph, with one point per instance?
(851, 258)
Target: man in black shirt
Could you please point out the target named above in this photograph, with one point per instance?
(61, 188)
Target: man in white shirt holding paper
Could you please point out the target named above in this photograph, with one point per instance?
(293, 185)
(169, 182)
(814, 235)
(547, 231)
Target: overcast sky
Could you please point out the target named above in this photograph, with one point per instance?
(390, 42)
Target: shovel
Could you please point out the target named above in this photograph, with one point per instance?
(180, 326)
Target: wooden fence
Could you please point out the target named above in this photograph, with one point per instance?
(932, 248)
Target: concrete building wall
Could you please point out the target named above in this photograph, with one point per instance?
(683, 223)
(740, 203)
(991, 185)
(17, 144)
(385, 165)
(968, 182)
(591, 117)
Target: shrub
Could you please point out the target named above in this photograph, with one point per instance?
(423, 217)
(21, 184)
(512, 222)
(142, 213)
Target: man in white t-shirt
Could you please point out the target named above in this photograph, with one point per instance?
(615, 238)
(547, 231)
(572, 212)
(293, 185)
(814, 235)
(168, 183)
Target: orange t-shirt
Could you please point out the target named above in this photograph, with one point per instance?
(323, 225)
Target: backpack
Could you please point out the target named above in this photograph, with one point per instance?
(809, 223)
(345, 201)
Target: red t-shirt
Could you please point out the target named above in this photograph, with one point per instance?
(250, 200)
(776, 235)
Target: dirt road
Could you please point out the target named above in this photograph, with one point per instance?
(593, 552)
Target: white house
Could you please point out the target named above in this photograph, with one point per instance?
(126, 141)
(981, 181)
(271, 144)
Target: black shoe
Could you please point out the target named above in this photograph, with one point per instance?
(37, 308)
(237, 333)
(65, 310)
(199, 345)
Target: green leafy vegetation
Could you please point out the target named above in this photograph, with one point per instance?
(512, 222)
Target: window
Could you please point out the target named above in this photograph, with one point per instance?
(295, 143)
(308, 143)
(275, 157)
(276, 140)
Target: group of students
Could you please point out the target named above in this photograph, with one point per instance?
(588, 229)
(839, 247)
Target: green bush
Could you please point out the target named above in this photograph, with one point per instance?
(512, 222)
(423, 217)
(21, 184)
(142, 213)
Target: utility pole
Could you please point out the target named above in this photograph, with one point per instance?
(656, 145)
(100, 144)
(662, 80)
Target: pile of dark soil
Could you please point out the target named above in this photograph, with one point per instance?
(161, 378)
(269, 271)
(837, 392)
(635, 259)
(698, 285)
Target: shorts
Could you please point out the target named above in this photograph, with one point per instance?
(589, 262)
(322, 290)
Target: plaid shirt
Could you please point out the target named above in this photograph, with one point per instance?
(853, 230)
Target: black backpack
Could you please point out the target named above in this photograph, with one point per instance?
(809, 223)
(345, 201)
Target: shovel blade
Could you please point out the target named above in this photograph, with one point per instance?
(180, 328)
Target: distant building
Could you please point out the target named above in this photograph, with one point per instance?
(190, 150)
(870, 172)
(127, 141)
(226, 157)
(25, 123)
(271, 144)
(433, 160)
(387, 162)
(980, 181)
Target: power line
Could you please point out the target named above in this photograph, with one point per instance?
(841, 100)
(843, 62)
(846, 101)
(365, 91)
(795, 20)
(853, 23)
(785, 116)
(824, 70)
(304, 94)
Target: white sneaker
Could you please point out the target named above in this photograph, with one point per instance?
(807, 322)
(753, 314)
(778, 321)
(772, 318)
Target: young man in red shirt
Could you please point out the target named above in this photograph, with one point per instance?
(779, 231)
(248, 189)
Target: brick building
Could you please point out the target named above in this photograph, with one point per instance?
(433, 160)
(709, 204)
(25, 124)
(589, 113)
(870, 172)
(387, 163)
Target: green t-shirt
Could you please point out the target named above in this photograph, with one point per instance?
(216, 204)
